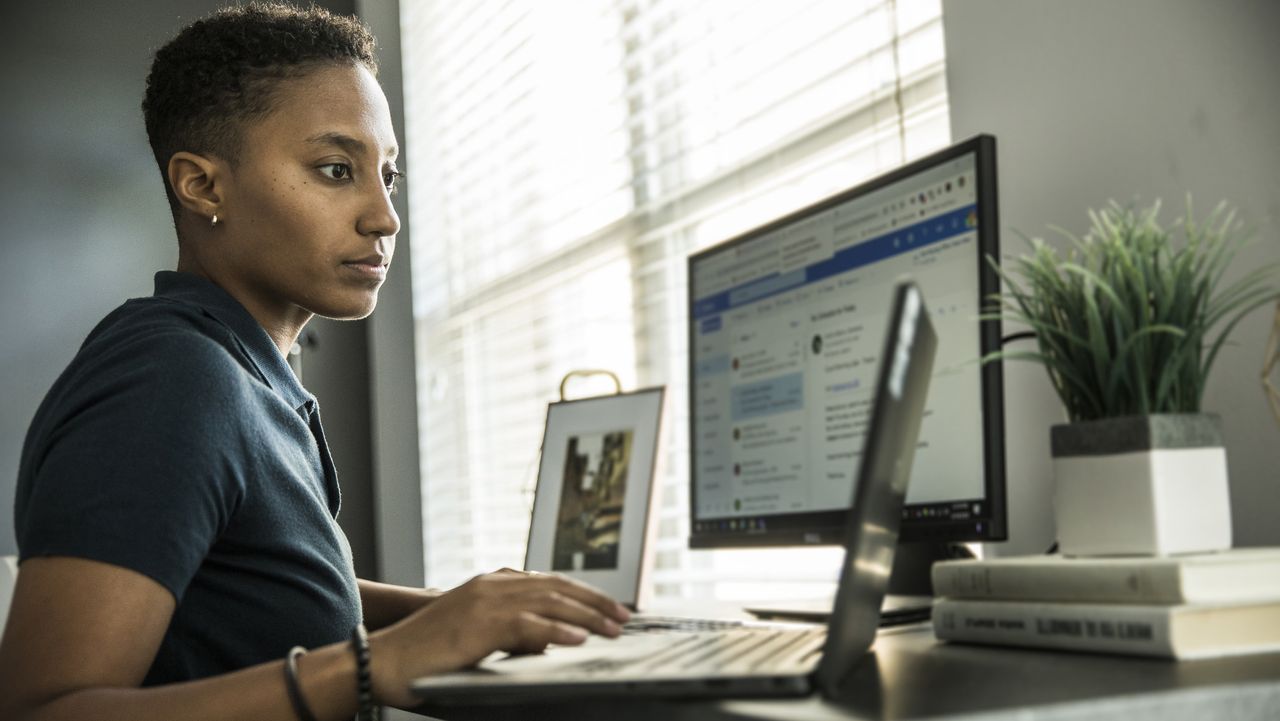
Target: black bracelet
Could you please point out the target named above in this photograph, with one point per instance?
(300, 706)
(364, 678)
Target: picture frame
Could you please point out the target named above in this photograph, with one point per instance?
(595, 489)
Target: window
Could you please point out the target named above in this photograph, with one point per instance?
(566, 157)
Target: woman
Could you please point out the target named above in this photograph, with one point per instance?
(176, 499)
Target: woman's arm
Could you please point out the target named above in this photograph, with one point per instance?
(384, 603)
(82, 634)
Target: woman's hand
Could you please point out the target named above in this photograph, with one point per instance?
(501, 611)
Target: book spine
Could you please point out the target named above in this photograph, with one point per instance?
(1059, 582)
(1131, 630)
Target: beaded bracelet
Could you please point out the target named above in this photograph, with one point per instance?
(364, 678)
(299, 703)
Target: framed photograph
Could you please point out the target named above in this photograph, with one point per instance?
(594, 489)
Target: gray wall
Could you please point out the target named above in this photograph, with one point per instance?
(85, 225)
(1097, 99)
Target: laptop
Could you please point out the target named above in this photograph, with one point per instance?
(753, 659)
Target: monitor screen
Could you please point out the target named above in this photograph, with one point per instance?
(785, 328)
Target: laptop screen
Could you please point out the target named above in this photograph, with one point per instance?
(881, 486)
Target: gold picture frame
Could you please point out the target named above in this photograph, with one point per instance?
(595, 490)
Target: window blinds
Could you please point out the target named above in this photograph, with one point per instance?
(566, 157)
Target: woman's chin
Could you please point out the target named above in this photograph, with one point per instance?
(349, 308)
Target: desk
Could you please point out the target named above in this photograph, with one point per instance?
(910, 675)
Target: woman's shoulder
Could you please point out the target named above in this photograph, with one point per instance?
(149, 351)
(169, 334)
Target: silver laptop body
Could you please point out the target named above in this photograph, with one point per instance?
(752, 659)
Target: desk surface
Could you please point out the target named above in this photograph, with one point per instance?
(910, 675)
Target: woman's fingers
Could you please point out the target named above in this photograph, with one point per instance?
(555, 605)
(551, 596)
(533, 632)
(584, 595)
(510, 585)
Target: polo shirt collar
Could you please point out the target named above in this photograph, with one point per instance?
(222, 307)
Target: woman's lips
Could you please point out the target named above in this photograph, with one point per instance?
(373, 270)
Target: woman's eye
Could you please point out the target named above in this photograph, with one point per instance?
(336, 171)
(390, 177)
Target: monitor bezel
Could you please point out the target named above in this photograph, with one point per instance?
(823, 528)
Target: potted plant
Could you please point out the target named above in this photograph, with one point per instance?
(1128, 325)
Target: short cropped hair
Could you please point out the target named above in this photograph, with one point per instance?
(222, 72)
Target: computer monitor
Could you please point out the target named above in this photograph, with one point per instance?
(785, 327)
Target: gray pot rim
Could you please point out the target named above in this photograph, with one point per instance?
(1129, 434)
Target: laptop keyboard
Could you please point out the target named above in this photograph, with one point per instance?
(677, 624)
(747, 649)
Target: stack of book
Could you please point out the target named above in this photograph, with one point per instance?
(1192, 606)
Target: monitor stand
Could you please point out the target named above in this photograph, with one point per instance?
(909, 597)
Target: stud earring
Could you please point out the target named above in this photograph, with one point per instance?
(213, 222)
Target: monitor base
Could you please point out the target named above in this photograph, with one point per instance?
(895, 611)
(910, 593)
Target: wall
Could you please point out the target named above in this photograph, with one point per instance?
(397, 489)
(1093, 100)
(85, 224)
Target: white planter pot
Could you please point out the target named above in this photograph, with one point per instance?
(1141, 485)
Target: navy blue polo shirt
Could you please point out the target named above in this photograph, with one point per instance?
(179, 444)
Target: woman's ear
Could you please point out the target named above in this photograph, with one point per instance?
(196, 181)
